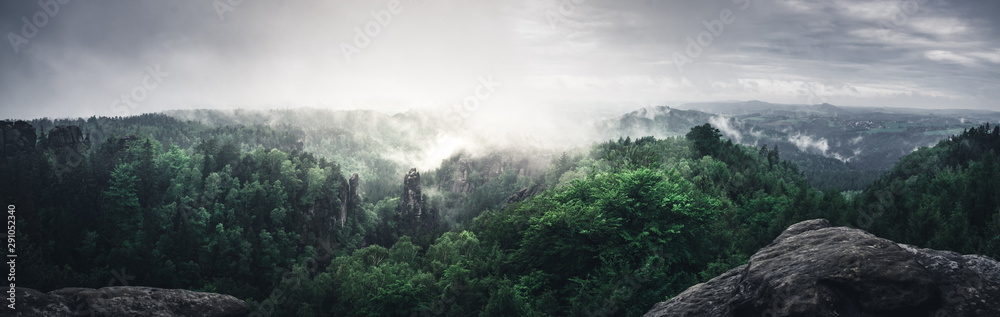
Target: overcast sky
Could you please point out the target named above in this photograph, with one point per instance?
(130, 57)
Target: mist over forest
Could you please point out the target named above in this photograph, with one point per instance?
(319, 204)
(535, 158)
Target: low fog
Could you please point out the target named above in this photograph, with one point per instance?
(420, 81)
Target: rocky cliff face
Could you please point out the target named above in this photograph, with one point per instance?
(16, 137)
(69, 146)
(411, 203)
(125, 301)
(67, 136)
(319, 223)
(351, 201)
(522, 195)
(462, 173)
(813, 269)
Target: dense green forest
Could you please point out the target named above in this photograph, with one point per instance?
(944, 197)
(843, 148)
(605, 230)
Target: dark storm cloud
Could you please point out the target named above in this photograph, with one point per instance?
(190, 54)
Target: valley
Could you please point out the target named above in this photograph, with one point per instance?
(237, 202)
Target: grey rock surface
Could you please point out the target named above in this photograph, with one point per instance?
(18, 136)
(411, 202)
(813, 269)
(126, 301)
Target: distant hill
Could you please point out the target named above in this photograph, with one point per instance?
(837, 147)
(739, 108)
(945, 197)
(657, 121)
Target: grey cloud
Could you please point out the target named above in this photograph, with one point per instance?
(288, 53)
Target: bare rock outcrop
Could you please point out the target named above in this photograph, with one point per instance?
(352, 199)
(522, 195)
(813, 269)
(67, 136)
(15, 137)
(411, 203)
(126, 301)
(70, 147)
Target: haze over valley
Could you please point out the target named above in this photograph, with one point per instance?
(506, 158)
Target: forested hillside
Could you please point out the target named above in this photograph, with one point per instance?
(211, 217)
(838, 147)
(227, 208)
(244, 208)
(944, 197)
(630, 223)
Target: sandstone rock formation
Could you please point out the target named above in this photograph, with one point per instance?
(352, 200)
(411, 203)
(352, 191)
(67, 136)
(69, 146)
(519, 195)
(813, 269)
(16, 137)
(126, 301)
(522, 195)
(469, 172)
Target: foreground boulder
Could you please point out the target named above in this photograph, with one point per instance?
(813, 269)
(126, 301)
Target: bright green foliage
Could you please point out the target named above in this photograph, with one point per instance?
(505, 301)
(208, 217)
(610, 226)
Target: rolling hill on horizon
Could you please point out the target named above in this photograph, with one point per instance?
(836, 147)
